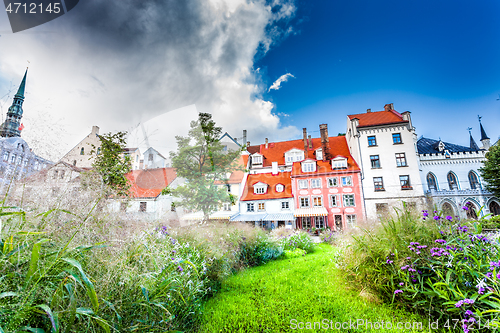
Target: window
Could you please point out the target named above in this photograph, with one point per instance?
(347, 181)
(303, 183)
(351, 220)
(74, 163)
(19, 159)
(334, 201)
(285, 205)
(317, 201)
(294, 156)
(372, 141)
(349, 200)
(123, 206)
(6, 156)
(82, 151)
(316, 183)
(431, 181)
(262, 206)
(339, 163)
(306, 222)
(319, 154)
(396, 138)
(452, 181)
(13, 158)
(280, 188)
(55, 174)
(228, 187)
(308, 167)
(142, 206)
(257, 159)
(319, 222)
(333, 182)
(473, 181)
(260, 189)
(401, 160)
(150, 157)
(378, 183)
(25, 163)
(304, 202)
(405, 182)
(250, 207)
(62, 174)
(375, 161)
(226, 206)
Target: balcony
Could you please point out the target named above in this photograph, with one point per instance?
(447, 193)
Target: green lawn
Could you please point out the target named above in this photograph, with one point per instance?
(306, 289)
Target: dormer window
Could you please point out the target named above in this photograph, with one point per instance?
(308, 166)
(319, 154)
(280, 188)
(441, 146)
(256, 159)
(260, 188)
(339, 163)
(294, 155)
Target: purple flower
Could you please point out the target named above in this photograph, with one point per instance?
(398, 291)
(465, 208)
(180, 269)
(459, 304)
(498, 276)
(449, 218)
(409, 258)
(469, 313)
(388, 261)
(437, 217)
(425, 214)
(488, 275)
(442, 241)
(401, 284)
(414, 243)
(480, 291)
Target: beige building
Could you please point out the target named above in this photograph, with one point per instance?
(135, 157)
(84, 153)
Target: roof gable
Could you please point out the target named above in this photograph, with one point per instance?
(149, 183)
(378, 118)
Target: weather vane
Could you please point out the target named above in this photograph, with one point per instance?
(478, 117)
(469, 129)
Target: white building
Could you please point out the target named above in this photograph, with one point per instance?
(85, 152)
(383, 144)
(135, 157)
(152, 159)
(451, 177)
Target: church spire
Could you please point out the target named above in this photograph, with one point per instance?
(484, 138)
(12, 124)
(473, 145)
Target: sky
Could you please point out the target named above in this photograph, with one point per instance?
(270, 67)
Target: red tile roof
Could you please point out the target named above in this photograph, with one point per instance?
(378, 118)
(149, 183)
(237, 176)
(276, 150)
(271, 180)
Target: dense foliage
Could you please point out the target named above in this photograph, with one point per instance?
(111, 164)
(437, 265)
(491, 170)
(204, 165)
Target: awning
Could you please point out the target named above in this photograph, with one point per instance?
(316, 211)
(223, 215)
(248, 217)
(279, 217)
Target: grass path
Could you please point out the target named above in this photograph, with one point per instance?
(308, 289)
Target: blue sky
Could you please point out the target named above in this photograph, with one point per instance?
(438, 59)
(116, 64)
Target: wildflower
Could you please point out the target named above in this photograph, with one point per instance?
(449, 264)
(414, 243)
(465, 208)
(401, 284)
(388, 261)
(498, 276)
(180, 269)
(422, 247)
(467, 283)
(468, 313)
(449, 218)
(489, 274)
(398, 291)
(442, 241)
(424, 213)
(480, 291)
(409, 258)
(437, 217)
(459, 304)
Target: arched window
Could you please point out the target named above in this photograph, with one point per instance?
(447, 209)
(471, 211)
(431, 181)
(74, 163)
(82, 151)
(452, 181)
(494, 208)
(473, 181)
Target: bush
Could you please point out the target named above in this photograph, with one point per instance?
(298, 240)
(328, 236)
(448, 269)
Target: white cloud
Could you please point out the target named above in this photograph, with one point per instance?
(277, 84)
(115, 63)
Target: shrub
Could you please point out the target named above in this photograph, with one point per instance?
(328, 236)
(298, 240)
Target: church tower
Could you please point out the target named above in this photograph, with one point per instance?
(11, 126)
(484, 138)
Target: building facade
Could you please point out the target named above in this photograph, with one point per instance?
(383, 144)
(84, 153)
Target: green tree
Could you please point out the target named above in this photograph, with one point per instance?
(204, 165)
(491, 170)
(111, 164)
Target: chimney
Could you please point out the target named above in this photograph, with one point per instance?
(248, 144)
(244, 136)
(310, 143)
(325, 142)
(304, 135)
(389, 107)
(95, 130)
(267, 143)
(368, 110)
(275, 168)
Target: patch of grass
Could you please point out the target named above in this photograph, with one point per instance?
(308, 289)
